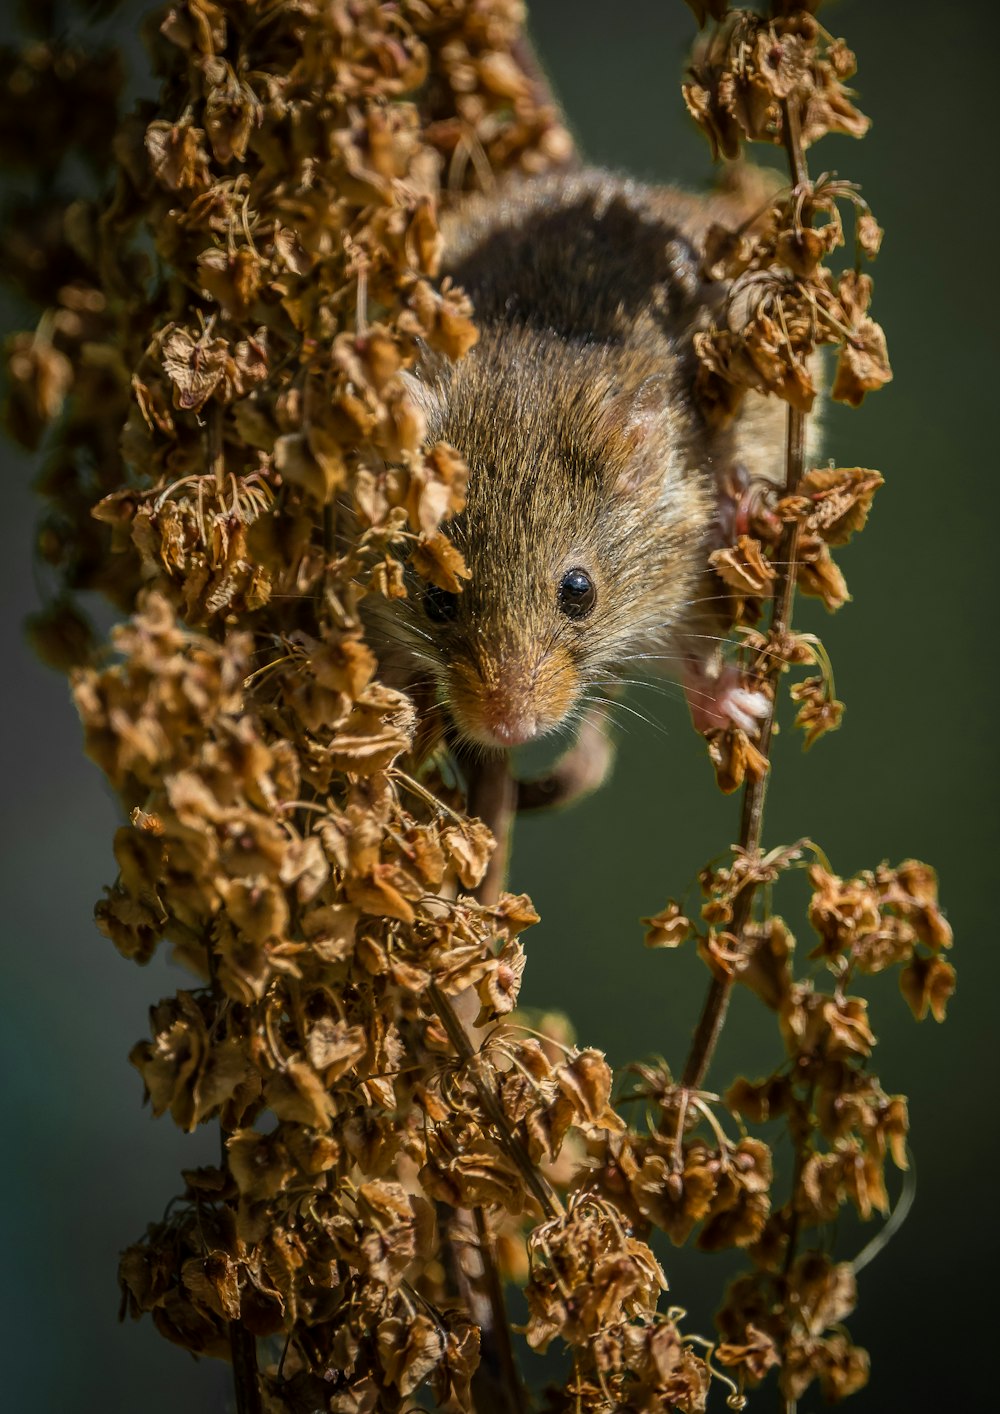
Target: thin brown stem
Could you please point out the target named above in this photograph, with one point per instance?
(496, 1385)
(508, 1140)
(793, 144)
(242, 1343)
(800, 1128)
(504, 1394)
(713, 1013)
(496, 1388)
(243, 1347)
(216, 450)
(492, 797)
(792, 1238)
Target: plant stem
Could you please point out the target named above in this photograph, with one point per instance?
(242, 1343)
(496, 1386)
(492, 796)
(243, 1346)
(216, 451)
(713, 1013)
(508, 1140)
(504, 1394)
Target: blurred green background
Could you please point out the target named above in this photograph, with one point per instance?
(912, 772)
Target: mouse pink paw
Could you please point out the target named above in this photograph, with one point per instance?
(723, 700)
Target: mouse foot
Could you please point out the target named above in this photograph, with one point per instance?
(745, 507)
(723, 699)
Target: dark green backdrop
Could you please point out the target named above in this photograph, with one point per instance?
(913, 772)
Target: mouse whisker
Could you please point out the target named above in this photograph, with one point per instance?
(655, 684)
(672, 691)
(616, 705)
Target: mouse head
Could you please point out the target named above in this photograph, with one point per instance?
(582, 529)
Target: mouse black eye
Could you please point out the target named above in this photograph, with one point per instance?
(577, 594)
(439, 605)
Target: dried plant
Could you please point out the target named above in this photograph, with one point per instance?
(232, 457)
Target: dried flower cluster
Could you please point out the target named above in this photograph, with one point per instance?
(232, 457)
(754, 67)
(780, 78)
(843, 1126)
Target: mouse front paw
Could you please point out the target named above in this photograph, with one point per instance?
(724, 700)
(744, 707)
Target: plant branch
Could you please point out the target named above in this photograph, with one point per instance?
(243, 1347)
(713, 1013)
(216, 450)
(242, 1343)
(496, 1385)
(497, 1388)
(492, 796)
(509, 1142)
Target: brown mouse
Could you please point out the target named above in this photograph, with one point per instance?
(597, 489)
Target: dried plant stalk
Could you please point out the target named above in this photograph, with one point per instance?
(755, 790)
(232, 457)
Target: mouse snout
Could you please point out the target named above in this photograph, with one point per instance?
(506, 712)
(514, 700)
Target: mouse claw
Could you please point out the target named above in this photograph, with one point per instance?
(724, 700)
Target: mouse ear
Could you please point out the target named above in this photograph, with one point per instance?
(626, 425)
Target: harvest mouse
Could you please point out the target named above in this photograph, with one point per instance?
(597, 489)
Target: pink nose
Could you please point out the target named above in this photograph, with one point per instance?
(505, 719)
(512, 731)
